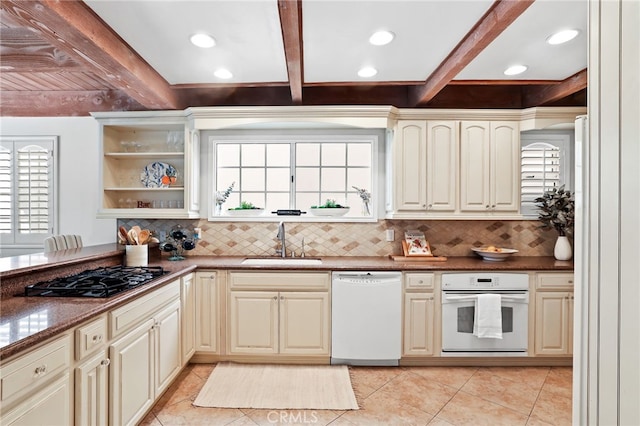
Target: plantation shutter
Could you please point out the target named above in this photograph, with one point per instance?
(540, 171)
(26, 190)
(6, 188)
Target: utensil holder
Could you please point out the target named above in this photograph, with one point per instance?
(136, 255)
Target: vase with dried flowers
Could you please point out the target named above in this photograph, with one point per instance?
(557, 211)
(221, 197)
(365, 196)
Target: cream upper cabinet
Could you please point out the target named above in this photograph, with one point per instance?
(149, 165)
(455, 169)
(554, 314)
(425, 166)
(489, 166)
(410, 168)
(442, 165)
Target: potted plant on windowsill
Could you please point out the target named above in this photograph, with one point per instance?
(557, 211)
(246, 209)
(329, 208)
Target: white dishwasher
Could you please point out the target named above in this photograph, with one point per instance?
(366, 318)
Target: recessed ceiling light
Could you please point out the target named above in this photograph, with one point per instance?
(380, 38)
(367, 72)
(515, 70)
(223, 73)
(203, 40)
(562, 36)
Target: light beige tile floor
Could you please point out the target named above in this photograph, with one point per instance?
(435, 396)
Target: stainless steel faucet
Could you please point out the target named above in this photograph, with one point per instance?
(283, 240)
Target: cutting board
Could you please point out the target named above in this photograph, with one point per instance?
(402, 258)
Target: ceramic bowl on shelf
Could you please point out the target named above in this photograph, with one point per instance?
(329, 211)
(495, 254)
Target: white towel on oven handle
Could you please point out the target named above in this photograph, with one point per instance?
(487, 322)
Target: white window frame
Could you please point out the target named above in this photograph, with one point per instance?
(286, 138)
(16, 239)
(564, 142)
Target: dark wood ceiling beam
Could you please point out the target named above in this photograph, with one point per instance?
(74, 28)
(65, 104)
(22, 50)
(291, 23)
(500, 15)
(534, 96)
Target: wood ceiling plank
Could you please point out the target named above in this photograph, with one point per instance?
(74, 28)
(291, 23)
(22, 50)
(65, 103)
(551, 93)
(498, 17)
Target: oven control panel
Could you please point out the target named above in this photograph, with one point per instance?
(485, 281)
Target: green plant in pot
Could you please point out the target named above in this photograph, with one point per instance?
(330, 204)
(557, 211)
(245, 205)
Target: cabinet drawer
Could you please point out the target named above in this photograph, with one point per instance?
(127, 316)
(36, 368)
(418, 281)
(90, 337)
(300, 281)
(557, 281)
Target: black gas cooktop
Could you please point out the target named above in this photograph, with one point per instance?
(100, 282)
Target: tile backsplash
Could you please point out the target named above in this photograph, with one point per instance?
(446, 237)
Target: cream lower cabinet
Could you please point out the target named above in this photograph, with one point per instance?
(92, 390)
(489, 166)
(92, 373)
(279, 322)
(188, 306)
(419, 329)
(294, 323)
(554, 314)
(37, 388)
(146, 359)
(207, 333)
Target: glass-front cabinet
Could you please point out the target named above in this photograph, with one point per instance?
(148, 163)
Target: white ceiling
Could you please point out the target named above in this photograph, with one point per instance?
(335, 39)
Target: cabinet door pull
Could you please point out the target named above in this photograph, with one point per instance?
(97, 338)
(105, 362)
(39, 371)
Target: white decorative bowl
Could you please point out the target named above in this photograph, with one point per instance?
(329, 211)
(245, 212)
(494, 256)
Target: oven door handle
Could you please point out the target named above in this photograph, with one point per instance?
(506, 298)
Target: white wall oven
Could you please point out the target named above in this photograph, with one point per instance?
(460, 296)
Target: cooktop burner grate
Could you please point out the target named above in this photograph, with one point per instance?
(100, 282)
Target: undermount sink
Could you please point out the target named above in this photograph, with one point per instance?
(281, 261)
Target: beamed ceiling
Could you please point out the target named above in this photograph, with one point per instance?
(70, 58)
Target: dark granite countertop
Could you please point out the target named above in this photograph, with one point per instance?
(55, 315)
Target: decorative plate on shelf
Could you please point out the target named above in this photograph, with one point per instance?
(158, 175)
(495, 254)
(329, 211)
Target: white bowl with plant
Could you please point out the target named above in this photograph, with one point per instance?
(329, 208)
(245, 209)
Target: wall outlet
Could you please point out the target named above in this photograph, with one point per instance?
(389, 235)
